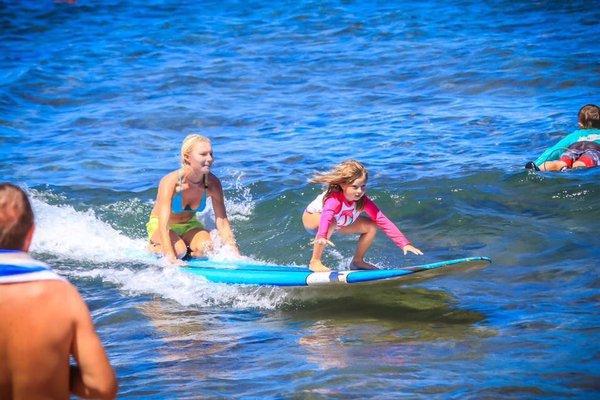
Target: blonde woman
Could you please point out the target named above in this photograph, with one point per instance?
(339, 209)
(173, 230)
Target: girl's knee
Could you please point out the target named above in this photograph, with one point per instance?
(555, 165)
(371, 227)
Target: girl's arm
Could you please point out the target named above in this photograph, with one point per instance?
(222, 222)
(385, 224)
(330, 208)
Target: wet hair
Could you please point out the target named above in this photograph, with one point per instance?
(188, 143)
(344, 173)
(589, 116)
(16, 217)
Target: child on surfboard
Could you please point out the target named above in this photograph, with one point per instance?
(339, 209)
(580, 149)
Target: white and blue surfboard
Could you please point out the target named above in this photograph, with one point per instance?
(248, 273)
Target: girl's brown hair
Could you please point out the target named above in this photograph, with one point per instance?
(344, 173)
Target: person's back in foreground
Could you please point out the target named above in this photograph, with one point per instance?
(43, 321)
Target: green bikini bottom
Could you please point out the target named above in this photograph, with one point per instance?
(180, 229)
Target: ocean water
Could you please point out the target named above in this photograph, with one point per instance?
(442, 101)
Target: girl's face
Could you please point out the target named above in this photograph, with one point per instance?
(354, 190)
(200, 157)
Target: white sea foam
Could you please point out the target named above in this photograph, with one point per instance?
(186, 289)
(67, 233)
(70, 234)
(240, 206)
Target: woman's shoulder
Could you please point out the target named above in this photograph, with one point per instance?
(214, 184)
(171, 178)
(213, 180)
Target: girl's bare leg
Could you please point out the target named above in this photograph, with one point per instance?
(367, 230)
(311, 222)
(553, 165)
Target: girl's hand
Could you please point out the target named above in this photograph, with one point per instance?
(412, 249)
(322, 242)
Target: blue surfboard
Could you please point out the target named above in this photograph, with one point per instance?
(251, 273)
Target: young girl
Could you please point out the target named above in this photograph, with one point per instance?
(339, 208)
(173, 228)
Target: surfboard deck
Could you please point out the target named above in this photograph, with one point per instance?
(251, 273)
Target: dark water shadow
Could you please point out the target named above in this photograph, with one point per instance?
(394, 323)
(389, 303)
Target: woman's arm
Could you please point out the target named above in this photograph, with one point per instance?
(215, 189)
(164, 199)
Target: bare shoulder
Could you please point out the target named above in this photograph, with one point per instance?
(48, 299)
(167, 186)
(214, 183)
(170, 179)
(213, 179)
(61, 291)
(41, 289)
(70, 302)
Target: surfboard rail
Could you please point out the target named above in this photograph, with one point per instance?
(249, 273)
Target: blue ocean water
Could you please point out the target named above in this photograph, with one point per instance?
(444, 102)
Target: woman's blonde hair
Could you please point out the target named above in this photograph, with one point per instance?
(345, 172)
(188, 143)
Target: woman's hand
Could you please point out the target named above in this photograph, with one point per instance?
(233, 249)
(412, 249)
(174, 261)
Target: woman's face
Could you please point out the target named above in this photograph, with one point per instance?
(354, 190)
(200, 157)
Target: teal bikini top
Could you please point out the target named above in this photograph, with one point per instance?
(177, 201)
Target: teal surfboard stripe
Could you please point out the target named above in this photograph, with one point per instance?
(248, 273)
(243, 265)
(366, 276)
(252, 277)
